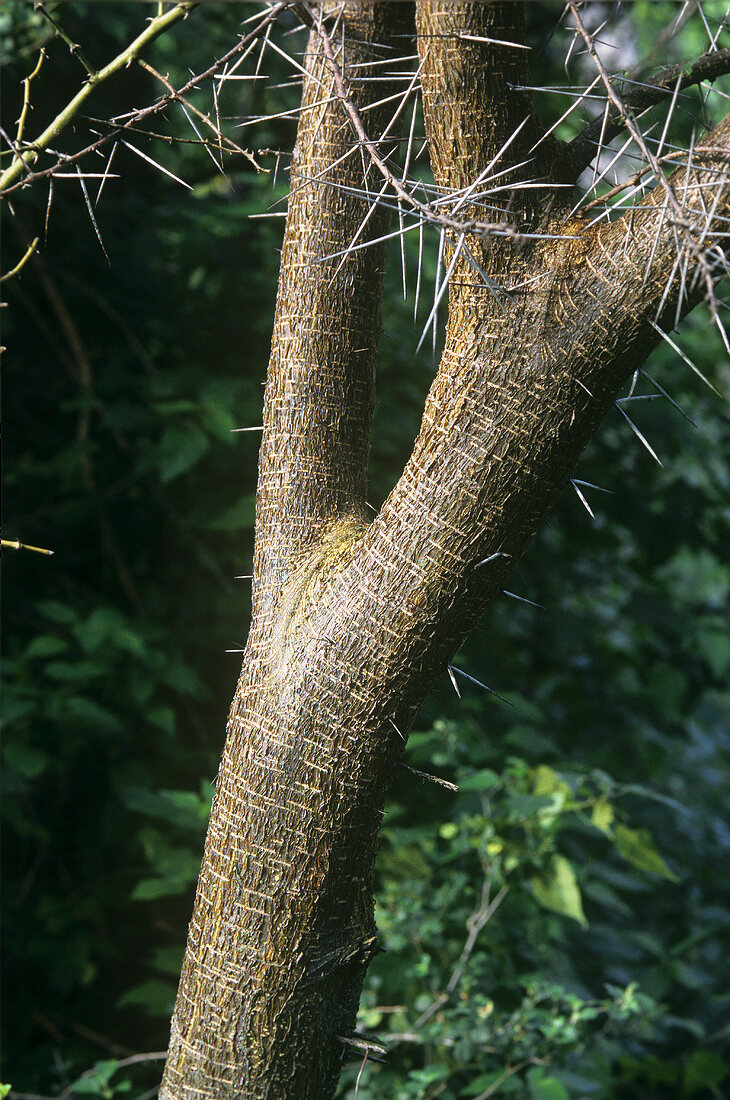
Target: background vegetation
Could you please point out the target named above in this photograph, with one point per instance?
(560, 927)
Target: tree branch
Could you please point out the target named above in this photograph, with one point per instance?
(480, 120)
(319, 393)
(520, 390)
(427, 212)
(670, 198)
(29, 155)
(117, 127)
(579, 153)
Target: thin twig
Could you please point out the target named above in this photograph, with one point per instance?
(19, 165)
(123, 1063)
(600, 131)
(22, 262)
(155, 28)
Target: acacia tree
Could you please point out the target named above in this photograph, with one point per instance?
(550, 311)
(549, 314)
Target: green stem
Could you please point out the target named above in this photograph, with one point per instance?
(157, 26)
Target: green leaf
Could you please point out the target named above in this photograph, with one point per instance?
(548, 1088)
(15, 708)
(500, 1082)
(128, 640)
(479, 1084)
(46, 645)
(95, 1082)
(430, 1074)
(547, 781)
(25, 760)
(557, 889)
(101, 626)
(150, 889)
(705, 1069)
(548, 784)
(638, 848)
(184, 809)
(175, 869)
(168, 960)
(162, 717)
(169, 408)
(56, 611)
(75, 672)
(602, 816)
(482, 780)
(182, 445)
(715, 648)
(155, 997)
(89, 713)
(218, 420)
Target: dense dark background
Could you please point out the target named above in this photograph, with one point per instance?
(604, 971)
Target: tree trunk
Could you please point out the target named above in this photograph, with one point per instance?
(352, 621)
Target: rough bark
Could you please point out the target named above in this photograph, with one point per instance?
(353, 621)
(283, 924)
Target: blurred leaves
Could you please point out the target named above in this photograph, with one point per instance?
(557, 889)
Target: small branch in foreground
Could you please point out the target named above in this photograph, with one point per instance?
(123, 1063)
(22, 261)
(119, 127)
(14, 544)
(475, 922)
(26, 95)
(682, 223)
(30, 154)
(73, 47)
(431, 778)
(230, 145)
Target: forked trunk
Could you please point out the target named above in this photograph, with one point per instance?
(352, 620)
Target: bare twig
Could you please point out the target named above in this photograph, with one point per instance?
(118, 126)
(123, 1063)
(475, 923)
(26, 96)
(22, 262)
(431, 778)
(73, 47)
(682, 223)
(600, 131)
(231, 146)
(13, 544)
(155, 28)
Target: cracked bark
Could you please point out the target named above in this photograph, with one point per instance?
(353, 621)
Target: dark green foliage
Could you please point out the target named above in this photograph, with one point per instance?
(597, 798)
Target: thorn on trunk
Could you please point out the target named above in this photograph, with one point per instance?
(431, 778)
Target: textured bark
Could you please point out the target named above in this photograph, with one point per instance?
(283, 924)
(353, 621)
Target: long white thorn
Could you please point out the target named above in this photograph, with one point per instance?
(90, 211)
(685, 358)
(639, 436)
(440, 294)
(583, 500)
(156, 165)
(106, 173)
(473, 680)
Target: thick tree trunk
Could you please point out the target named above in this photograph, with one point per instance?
(352, 622)
(283, 924)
